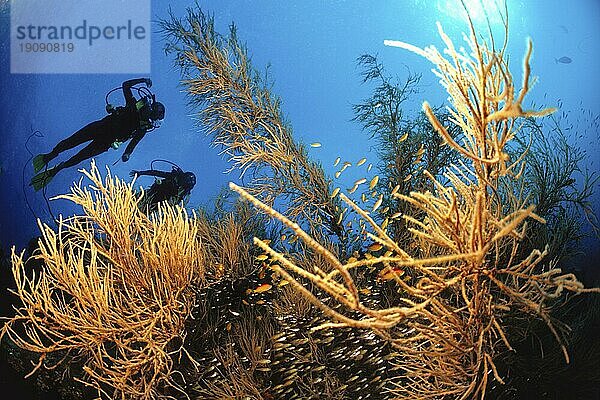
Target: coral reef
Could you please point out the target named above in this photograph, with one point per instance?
(114, 292)
(468, 276)
(438, 296)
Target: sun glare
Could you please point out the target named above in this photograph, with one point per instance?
(477, 9)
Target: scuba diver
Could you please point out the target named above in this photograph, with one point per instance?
(173, 186)
(129, 122)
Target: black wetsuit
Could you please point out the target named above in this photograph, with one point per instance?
(123, 124)
(174, 186)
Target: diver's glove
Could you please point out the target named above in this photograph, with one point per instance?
(149, 82)
(134, 173)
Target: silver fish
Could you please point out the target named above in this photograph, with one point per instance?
(563, 60)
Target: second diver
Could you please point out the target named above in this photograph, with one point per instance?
(173, 186)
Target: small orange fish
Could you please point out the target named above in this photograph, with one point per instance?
(262, 288)
(375, 246)
(390, 273)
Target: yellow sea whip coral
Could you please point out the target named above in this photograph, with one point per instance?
(469, 275)
(114, 292)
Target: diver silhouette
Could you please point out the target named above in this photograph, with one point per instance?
(173, 186)
(129, 122)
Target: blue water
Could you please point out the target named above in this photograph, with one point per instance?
(312, 48)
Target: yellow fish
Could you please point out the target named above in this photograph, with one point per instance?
(337, 161)
(385, 223)
(315, 144)
(361, 161)
(335, 192)
(378, 202)
(262, 257)
(373, 182)
(369, 167)
(360, 182)
(403, 138)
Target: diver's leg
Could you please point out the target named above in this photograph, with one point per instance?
(85, 134)
(41, 179)
(93, 149)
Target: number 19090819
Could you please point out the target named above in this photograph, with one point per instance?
(34, 47)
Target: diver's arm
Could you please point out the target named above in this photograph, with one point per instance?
(127, 85)
(137, 136)
(151, 172)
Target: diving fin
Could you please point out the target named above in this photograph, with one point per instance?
(39, 162)
(43, 178)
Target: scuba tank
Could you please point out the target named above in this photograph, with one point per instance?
(142, 106)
